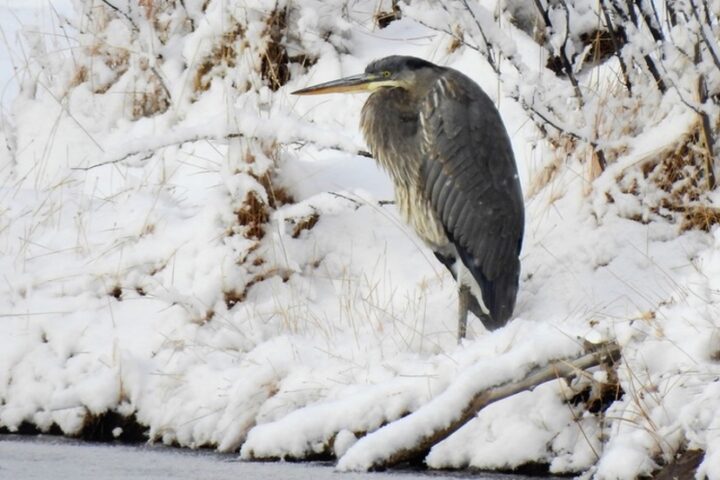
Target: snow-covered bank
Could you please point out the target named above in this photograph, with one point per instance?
(185, 242)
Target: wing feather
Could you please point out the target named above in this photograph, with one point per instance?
(471, 180)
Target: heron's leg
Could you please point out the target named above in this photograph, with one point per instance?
(464, 297)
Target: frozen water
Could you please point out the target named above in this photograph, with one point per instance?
(43, 458)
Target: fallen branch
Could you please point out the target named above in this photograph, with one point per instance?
(422, 429)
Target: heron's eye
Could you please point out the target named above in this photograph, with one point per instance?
(386, 74)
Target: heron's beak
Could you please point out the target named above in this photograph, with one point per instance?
(365, 82)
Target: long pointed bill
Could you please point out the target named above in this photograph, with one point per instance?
(365, 82)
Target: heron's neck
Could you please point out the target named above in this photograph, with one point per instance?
(388, 115)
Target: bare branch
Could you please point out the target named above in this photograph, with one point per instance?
(616, 46)
(712, 48)
(359, 204)
(567, 65)
(454, 35)
(544, 13)
(649, 21)
(147, 153)
(659, 82)
(708, 138)
(649, 62)
(545, 118)
(490, 55)
(162, 82)
(121, 12)
(619, 10)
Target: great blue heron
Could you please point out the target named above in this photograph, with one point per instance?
(444, 144)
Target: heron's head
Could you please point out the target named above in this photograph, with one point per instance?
(389, 72)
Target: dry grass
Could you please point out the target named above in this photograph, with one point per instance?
(596, 396)
(562, 147)
(149, 96)
(383, 17)
(150, 102)
(274, 67)
(458, 38)
(223, 56)
(305, 223)
(679, 175)
(274, 58)
(116, 292)
(678, 171)
(253, 214)
(700, 217)
(601, 43)
(79, 77)
(115, 58)
(234, 296)
(277, 194)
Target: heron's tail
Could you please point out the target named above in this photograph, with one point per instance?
(498, 294)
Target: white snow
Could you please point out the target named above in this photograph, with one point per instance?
(122, 254)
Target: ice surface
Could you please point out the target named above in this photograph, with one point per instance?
(28, 459)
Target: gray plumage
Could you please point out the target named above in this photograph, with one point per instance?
(443, 143)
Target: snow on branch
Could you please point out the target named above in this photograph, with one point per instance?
(609, 73)
(145, 149)
(411, 437)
